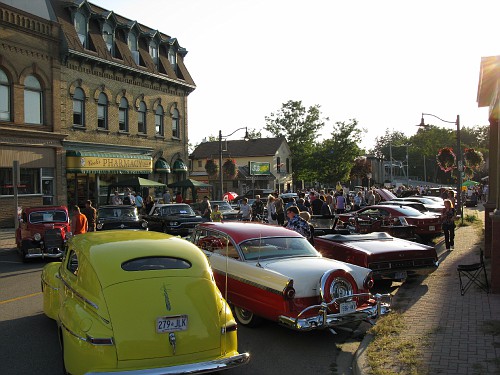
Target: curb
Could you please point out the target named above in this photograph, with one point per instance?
(360, 362)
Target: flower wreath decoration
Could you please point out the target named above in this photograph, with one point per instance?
(229, 168)
(211, 167)
(446, 159)
(473, 159)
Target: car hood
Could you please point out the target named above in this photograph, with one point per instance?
(135, 306)
(306, 272)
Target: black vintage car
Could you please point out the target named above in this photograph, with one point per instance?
(173, 218)
(119, 217)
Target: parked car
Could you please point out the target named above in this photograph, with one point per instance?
(228, 212)
(43, 232)
(276, 274)
(416, 205)
(389, 258)
(250, 194)
(139, 302)
(172, 218)
(119, 217)
(427, 226)
(385, 194)
(430, 204)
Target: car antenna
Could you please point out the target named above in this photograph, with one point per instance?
(260, 246)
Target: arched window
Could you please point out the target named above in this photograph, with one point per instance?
(107, 35)
(153, 51)
(132, 44)
(81, 28)
(141, 118)
(102, 111)
(4, 97)
(159, 121)
(123, 115)
(175, 123)
(33, 99)
(79, 107)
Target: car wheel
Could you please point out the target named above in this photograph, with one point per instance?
(23, 252)
(246, 318)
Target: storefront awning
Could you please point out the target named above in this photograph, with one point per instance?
(179, 166)
(93, 162)
(162, 166)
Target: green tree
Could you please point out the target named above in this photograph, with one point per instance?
(334, 158)
(299, 125)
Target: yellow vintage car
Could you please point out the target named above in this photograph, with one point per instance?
(138, 302)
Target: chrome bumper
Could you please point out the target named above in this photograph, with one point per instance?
(325, 320)
(192, 368)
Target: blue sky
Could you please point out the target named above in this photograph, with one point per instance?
(381, 62)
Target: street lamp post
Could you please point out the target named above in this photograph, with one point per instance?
(459, 157)
(221, 180)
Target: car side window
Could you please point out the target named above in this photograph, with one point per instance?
(217, 243)
(72, 264)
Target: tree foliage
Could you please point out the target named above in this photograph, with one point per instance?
(300, 126)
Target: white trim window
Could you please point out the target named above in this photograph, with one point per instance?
(33, 100)
(153, 51)
(132, 45)
(102, 111)
(172, 57)
(141, 118)
(159, 121)
(81, 28)
(78, 107)
(175, 123)
(107, 35)
(123, 115)
(4, 97)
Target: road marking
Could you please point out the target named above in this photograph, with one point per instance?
(20, 298)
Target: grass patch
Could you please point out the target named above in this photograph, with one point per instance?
(390, 353)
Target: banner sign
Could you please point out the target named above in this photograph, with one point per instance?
(257, 168)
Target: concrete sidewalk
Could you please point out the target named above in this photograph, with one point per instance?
(458, 334)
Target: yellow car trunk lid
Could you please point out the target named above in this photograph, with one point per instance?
(163, 317)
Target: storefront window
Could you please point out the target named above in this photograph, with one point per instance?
(29, 183)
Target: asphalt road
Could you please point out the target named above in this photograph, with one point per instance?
(29, 343)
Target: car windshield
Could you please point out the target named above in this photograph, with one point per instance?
(48, 216)
(277, 247)
(223, 205)
(408, 211)
(117, 213)
(177, 210)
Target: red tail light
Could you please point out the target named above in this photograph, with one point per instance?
(289, 291)
(368, 282)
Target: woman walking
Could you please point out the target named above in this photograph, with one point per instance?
(448, 216)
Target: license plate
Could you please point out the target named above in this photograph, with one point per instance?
(348, 307)
(400, 275)
(171, 323)
(432, 227)
(34, 251)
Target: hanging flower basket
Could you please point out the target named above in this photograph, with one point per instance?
(211, 167)
(229, 168)
(446, 159)
(473, 159)
(469, 173)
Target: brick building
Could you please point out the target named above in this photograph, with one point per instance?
(113, 98)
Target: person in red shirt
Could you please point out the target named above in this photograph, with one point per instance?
(178, 198)
(79, 222)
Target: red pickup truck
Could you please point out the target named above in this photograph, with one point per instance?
(42, 232)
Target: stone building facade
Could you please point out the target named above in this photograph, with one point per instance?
(114, 97)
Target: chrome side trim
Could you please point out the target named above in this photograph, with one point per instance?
(88, 339)
(252, 283)
(192, 368)
(94, 305)
(47, 284)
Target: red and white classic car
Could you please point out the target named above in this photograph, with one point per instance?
(42, 232)
(274, 273)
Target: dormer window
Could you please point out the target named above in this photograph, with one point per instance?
(81, 28)
(153, 51)
(172, 58)
(132, 45)
(107, 35)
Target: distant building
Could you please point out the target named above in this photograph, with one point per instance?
(274, 151)
(87, 97)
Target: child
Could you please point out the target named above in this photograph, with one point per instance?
(216, 215)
